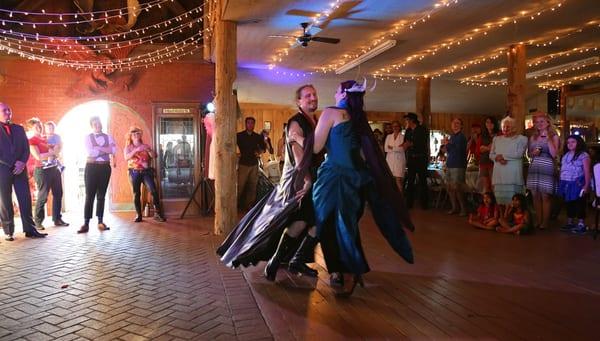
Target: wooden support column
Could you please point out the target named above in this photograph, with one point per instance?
(517, 68)
(424, 100)
(566, 125)
(225, 36)
(207, 30)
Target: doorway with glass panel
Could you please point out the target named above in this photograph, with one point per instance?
(176, 136)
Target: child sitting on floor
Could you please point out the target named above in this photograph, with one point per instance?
(487, 213)
(517, 218)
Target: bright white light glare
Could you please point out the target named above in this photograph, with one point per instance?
(210, 107)
(576, 132)
(73, 128)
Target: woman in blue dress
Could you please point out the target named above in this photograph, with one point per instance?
(354, 172)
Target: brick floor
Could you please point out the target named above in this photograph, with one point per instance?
(134, 282)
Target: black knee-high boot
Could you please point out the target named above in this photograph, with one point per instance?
(305, 252)
(283, 249)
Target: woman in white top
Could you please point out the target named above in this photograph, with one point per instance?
(507, 153)
(395, 154)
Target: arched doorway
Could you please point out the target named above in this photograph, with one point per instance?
(116, 119)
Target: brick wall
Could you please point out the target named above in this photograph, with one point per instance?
(34, 89)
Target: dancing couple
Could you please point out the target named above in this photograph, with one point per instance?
(307, 208)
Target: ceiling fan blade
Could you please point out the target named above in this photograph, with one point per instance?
(313, 30)
(326, 40)
(301, 13)
(281, 36)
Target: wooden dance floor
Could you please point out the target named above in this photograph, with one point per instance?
(154, 281)
(466, 283)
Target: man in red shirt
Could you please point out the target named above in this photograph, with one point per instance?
(46, 174)
(14, 152)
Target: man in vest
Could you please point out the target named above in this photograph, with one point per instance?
(300, 126)
(14, 152)
(101, 149)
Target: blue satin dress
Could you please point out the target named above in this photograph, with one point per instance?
(343, 186)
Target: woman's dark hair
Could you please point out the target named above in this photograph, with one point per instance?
(492, 197)
(373, 154)
(355, 103)
(522, 201)
(484, 131)
(580, 148)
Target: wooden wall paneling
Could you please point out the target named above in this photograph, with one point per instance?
(276, 114)
(279, 114)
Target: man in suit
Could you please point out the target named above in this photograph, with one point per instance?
(14, 152)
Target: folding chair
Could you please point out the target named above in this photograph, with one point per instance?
(436, 184)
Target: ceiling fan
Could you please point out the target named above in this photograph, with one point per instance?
(307, 36)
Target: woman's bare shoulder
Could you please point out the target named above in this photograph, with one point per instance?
(333, 110)
(336, 114)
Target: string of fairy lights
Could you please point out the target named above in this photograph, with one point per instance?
(531, 63)
(558, 83)
(537, 62)
(391, 73)
(43, 12)
(46, 44)
(554, 84)
(106, 37)
(64, 19)
(317, 20)
(469, 36)
(397, 28)
(159, 56)
(153, 58)
(499, 51)
(479, 79)
(92, 51)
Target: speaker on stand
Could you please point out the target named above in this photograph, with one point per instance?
(204, 185)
